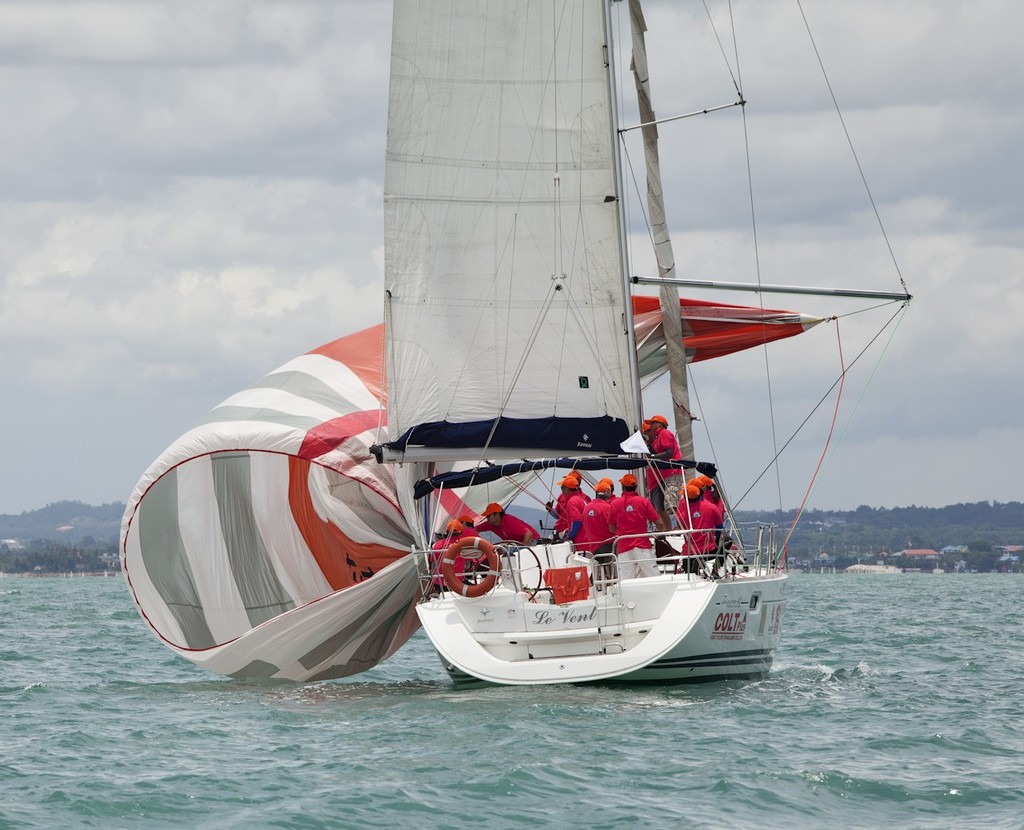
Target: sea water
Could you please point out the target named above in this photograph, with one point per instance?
(894, 701)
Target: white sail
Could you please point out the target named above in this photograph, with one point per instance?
(505, 310)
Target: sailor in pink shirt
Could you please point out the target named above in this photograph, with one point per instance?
(557, 508)
(571, 505)
(701, 517)
(665, 447)
(506, 527)
(595, 532)
(630, 514)
(713, 502)
(467, 527)
(453, 532)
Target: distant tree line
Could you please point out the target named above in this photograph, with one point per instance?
(870, 534)
(847, 537)
(45, 556)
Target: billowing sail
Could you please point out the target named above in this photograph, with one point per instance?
(710, 330)
(505, 305)
(266, 542)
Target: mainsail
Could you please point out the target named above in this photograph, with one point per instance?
(505, 306)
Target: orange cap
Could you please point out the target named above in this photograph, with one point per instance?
(659, 419)
(466, 520)
(605, 485)
(454, 526)
(692, 491)
(628, 480)
(570, 481)
(493, 507)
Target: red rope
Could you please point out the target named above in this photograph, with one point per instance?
(824, 450)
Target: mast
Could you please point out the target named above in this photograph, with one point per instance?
(627, 294)
(668, 294)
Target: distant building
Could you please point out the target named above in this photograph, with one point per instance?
(919, 553)
(952, 549)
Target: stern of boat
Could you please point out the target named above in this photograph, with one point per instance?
(677, 627)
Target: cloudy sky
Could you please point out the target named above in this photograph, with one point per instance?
(191, 196)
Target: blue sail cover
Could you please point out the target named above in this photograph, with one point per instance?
(582, 435)
(485, 475)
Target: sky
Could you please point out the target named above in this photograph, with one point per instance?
(191, 196)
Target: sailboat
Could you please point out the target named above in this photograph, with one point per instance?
(290, 534)
(512, 347)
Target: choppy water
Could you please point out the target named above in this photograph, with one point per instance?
(894, 701)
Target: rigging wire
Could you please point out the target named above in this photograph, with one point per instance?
(736, 81)
(381, 411)
(849, 141)
(824, 450)
(757, 254)
(898, 314)
(899, 320)
(815, 478)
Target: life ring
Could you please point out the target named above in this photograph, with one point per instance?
(453, 580)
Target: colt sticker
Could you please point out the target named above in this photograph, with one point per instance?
(729, 625)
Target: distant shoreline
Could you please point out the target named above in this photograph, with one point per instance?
(62, 574)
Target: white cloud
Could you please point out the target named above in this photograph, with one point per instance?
(191, 195)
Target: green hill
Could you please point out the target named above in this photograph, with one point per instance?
(70, 522)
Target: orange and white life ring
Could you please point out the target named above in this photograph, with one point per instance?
(454, 580)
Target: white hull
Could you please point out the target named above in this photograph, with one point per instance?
(673, 628)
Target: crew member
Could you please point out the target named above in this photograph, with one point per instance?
(596, 537)
(506, 527)
(453, 532)
(695, 515)
(669, 479)
(570, 507)
(630, 515)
